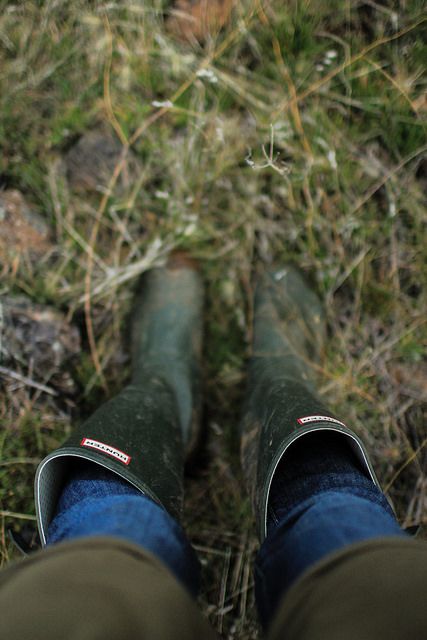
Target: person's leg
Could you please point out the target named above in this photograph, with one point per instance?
(121, 472)
(97, 587)
(320, 502)
(108, 501)
(96, 502)
(309, 476)
(374, 589)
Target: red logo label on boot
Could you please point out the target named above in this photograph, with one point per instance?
(309, 419)
(105, 448)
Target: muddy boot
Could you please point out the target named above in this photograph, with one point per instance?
(145, 433)
(281, 404)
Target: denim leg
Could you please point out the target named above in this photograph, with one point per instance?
(96, 502)
(321, 524)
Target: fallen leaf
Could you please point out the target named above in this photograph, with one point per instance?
(192, 20)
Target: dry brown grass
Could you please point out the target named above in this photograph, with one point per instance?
(297, 133)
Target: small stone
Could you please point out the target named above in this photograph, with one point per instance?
(90, 163)
(39, 339)
(21, 229)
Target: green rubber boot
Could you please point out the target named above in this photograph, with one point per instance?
(281, 404)
(145, 433)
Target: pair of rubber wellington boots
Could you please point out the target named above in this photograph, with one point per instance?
(145, 433)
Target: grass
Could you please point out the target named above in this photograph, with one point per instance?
(296, 134)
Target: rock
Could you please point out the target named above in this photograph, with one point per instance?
(90, 163)
(21, 229)
(37, 339)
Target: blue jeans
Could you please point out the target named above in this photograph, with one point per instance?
(96, 502)
(322, 524)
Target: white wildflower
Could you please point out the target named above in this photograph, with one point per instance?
(162, 104)
(332, 157)
(162, 195)
(208, 74)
